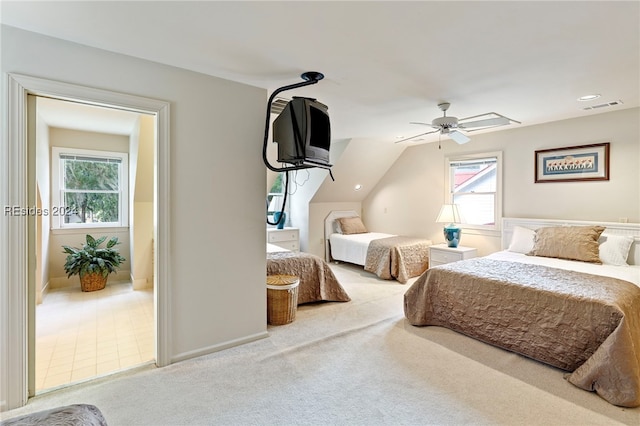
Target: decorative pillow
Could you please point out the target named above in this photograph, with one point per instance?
(568, 242)
(614, 249)
(522, 240)
(352, 225)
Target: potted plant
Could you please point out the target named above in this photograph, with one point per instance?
(93, 263)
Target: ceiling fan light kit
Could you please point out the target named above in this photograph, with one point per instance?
(446, 125)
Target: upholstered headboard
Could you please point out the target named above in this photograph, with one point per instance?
(329, 227)
(614, 228)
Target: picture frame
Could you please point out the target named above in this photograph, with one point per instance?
(573, 163)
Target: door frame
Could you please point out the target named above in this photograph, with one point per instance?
(15, 258)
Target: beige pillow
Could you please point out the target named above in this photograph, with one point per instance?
(568, 242)
(352, 225)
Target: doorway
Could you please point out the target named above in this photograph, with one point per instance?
(102, 160)
(18, 265)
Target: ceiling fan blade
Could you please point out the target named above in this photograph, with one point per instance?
(416, 136)
(458, 137)
(498, 121)
(422, 124)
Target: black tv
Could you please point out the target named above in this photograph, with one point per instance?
(303, 133)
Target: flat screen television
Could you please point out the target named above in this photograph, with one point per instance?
(303, 133)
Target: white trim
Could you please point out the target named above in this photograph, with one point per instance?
(219, 347)
(56, 193)
(488, 230)
(13, 235)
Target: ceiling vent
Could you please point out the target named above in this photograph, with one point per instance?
(278, 105)
(604, 105)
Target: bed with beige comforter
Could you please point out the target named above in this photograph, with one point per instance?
(398, 257)
(317, 280)
(588, 325)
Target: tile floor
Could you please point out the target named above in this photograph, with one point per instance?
(81, 335)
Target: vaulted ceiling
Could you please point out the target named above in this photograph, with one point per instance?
(386, 64)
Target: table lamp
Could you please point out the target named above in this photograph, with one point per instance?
(449, 214)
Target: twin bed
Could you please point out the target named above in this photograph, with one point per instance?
(390, 257)
(317, 281)
(565, 293)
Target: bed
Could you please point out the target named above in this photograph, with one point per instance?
(317, 280)
(565, 293)
(390, 257)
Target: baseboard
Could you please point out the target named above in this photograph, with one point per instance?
(216, 348)
(140, 284)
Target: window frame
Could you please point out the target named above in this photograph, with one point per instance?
(448, 196)
(57, 198)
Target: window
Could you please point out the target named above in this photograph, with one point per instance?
(89, 188)
(474, 184)
(275, 198)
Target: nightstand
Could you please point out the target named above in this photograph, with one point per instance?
(288, 238)
(439, 254)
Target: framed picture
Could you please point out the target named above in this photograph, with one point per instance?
(573, 163)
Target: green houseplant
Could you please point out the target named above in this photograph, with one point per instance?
(93, 263)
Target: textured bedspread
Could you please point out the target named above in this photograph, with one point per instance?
(398, 257)
(69, 415)
(317, 281)
(586, 324)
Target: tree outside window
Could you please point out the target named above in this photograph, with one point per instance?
(91, 188)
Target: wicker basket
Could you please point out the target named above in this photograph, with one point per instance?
(92, 282)
(282, 299)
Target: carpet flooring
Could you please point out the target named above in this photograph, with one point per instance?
(354, 363)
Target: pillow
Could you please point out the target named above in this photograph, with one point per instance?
(568, 242)
(614, 249)
(336, 227)
(352, 225)
(521, 240)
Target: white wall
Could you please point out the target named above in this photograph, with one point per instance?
(141, 229)
(412, 191)
(42, 180)
(217, 181)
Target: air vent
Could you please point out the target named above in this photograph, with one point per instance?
(278, 105)
(604, 105)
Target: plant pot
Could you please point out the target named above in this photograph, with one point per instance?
(92, 282)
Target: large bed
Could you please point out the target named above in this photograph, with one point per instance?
(317, 280)
(565, 293)
(390, 257)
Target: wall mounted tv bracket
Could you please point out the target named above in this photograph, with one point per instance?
(309, 77)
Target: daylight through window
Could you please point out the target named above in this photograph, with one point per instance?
(474, 187)
(92, 188)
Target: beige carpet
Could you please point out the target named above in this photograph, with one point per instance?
(354, 363)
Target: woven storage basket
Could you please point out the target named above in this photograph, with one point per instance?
(282, 299)
(92, 282)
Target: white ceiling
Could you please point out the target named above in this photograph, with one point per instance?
(77, 116)
(386, 63)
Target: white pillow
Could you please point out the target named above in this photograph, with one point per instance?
(522, 240)
(614, 249)
(336, 227)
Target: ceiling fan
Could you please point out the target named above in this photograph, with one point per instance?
(451, 126)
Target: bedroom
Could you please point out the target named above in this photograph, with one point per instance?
(199, 111)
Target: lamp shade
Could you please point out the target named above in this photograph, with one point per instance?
(449, 214)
